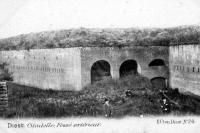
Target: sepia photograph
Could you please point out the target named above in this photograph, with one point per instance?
(99, 66)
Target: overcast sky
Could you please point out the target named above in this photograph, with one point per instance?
(25, 16)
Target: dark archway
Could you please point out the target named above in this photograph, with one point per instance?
(159, 82)
(157, 62)
(100, 70)
(128, 67)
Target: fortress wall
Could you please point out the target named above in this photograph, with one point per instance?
(45, 68)
(116, 56)
(185, 68)
(70, 68)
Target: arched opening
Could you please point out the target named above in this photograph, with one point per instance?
(128, 67)
(157, 62)
(100, 70)
(158, 82)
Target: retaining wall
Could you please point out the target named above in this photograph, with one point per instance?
(70, 68)
(185, 68)
(45, 68)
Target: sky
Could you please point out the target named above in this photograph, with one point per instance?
(26, 16)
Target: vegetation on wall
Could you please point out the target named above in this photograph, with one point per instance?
(5, 75)
(83, 37)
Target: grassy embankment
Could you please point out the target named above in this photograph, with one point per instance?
(84, 37)
(33, 102)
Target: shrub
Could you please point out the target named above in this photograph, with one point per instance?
(5, 75)
(27, 101)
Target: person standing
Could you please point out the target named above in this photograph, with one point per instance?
(166, 108)
(107, 108)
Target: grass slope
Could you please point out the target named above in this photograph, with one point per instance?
(33, 102)
(83, 37)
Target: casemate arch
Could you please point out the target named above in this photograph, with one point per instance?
(157, 62)
(100, 70)
(129, 67)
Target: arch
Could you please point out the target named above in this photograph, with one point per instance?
(100, 70)
(128, 67)
(159, 82)
(157, 62)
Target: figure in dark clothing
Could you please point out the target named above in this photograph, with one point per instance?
(107, 108)
(92, 110)
(166, 107)
(129, 93)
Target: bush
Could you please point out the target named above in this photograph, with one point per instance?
(115, 88)
(27, 101)
(83, 37)
(5, 75)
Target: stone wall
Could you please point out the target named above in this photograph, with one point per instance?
(143, 55)
(185, 68)
(70, 68)
(45, 68)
